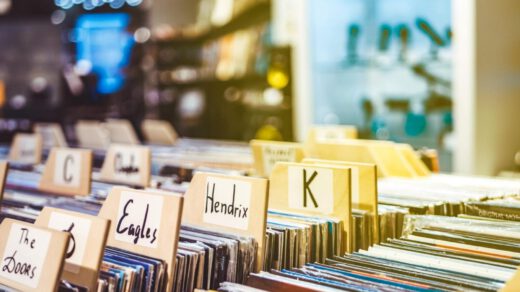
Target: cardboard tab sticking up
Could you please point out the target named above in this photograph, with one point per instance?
(67, 172)
(92, 134)
(130, 165)
(413, 159)
(513, 283)
(267, 153)
(332, 133)
(159, 132)
(313, 190)
(31, 257)
(121, 132)
(4, 167)
(146, 223)
(26, 148)
(364, 187)
(229, 204)
(88, 235)
(384, 154)
(52, 135)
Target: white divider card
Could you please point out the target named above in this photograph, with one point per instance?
(88, 235)
(229, 204)
(67, 172)
(267, 153)
(145, 222)
(121, 132)
(127, 164)
(331, 133)
(52, 135)
(31, 257)
(159, 132)
(4, 166)
(26, 148)
(364, 187)
(92, 134)
(313, 190)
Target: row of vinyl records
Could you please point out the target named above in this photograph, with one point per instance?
(348, 242)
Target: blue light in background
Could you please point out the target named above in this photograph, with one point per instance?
(105, 43)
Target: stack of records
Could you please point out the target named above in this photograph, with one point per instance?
(436, 253)
(502, 209)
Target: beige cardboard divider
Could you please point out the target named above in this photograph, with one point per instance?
(158, 236)
(386, 155)
(327, 133)
(67, 172)
(229, 204)
(38, 252)
(92, 134)
(127, 164)
(413, 159)
(364, 187)
(513, 284)
(267, 153)
(86, 246)
(315, 190)
(52, 135)
(159, 132)
(121, 132)
(4, 167)
(26, 148)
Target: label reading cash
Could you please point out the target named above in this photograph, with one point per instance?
(276, 153)
(139, 218)
(24, 254)
(311, 189)
(227, 202)
(67, 169)
(79, 229)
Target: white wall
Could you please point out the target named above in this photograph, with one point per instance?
(486, 84)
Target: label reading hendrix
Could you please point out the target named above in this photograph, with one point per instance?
(277, 153)
(24, 254)
(227, 202)
(311, 189)
(139, 219)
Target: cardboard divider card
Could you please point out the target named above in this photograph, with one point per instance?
(52, 135)
(159, 132)
(413, 159)
(267, 153)
(331, 132)
(384, 154)
(92, 134)
(26, 148)
(145, 222)
(121, 132)
(88, 235)
(31, 257)
(4, 167)
(67, 172)
(229, 204)
(513, 283)
(364, 187)
(127, 164)
(313, 190)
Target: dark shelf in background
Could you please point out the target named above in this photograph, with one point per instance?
(248, 79)
(256, 14)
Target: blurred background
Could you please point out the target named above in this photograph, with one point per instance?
(438, 74)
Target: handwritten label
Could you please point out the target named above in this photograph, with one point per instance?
(126, 164)
(67, 170)
(326, 134)
(274, 153)
(227, 202)
(311, 189)
(24, 254)
(139, 219)
(79, 229)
